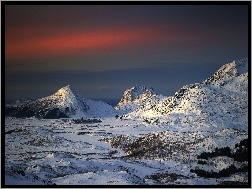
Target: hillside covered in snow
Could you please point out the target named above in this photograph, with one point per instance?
(219, 98)
(219, 101)
(197, 136)
(65, 103)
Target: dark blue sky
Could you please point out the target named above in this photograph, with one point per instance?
(103, 50)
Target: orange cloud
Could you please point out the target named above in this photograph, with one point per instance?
(23, 46)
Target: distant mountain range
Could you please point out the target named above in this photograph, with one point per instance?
(219, 100)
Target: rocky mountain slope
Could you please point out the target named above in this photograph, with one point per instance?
(219, 101)
(135, 97)
(66, 102)
(198, 136)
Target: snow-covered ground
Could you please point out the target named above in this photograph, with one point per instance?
(147, 139)
(58, 151)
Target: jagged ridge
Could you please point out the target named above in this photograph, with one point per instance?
(136, 96)
(220, 100)
(221, 97)
(228, 71)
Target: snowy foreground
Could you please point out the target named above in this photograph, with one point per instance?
(64, 152)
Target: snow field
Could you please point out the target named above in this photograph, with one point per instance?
(61, 152)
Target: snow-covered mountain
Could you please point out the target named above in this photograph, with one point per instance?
(220, 100)
(136, 97)
(66, 102)
(227, 72)
(198, 136)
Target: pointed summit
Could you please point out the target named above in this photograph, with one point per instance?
(136, 93)
(66, 91)
(134, 97)
(67, 88)
(227, 72)
(223, 102)
(65, 103)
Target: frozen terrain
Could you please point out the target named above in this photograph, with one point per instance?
(196, 136)
(59, 151)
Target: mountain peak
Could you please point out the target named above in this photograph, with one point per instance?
(228, 71)
(66, 92)
(66, 102)
(67, 88)
(139, 90)
(136, 93)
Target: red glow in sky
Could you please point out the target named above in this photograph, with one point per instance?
(22, 47)
(105, 44)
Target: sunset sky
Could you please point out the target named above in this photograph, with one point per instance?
(103, 50)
